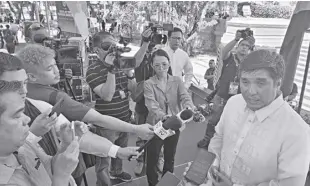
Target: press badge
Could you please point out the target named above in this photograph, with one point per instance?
(233, 88)
(122, 94)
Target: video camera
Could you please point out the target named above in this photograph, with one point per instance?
(122, 61)
(158, 37)
(246, 33)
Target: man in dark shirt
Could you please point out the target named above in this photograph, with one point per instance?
(228, 84)
(209, 75)
(111, 86)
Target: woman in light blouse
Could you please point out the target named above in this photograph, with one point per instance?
(165, 95)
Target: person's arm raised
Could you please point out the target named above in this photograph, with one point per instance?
(102, 81)
(227, 49)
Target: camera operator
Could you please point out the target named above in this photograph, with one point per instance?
(180, 62)
(111, 86)
(228, 83)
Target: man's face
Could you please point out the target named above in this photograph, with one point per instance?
(211, 64)
(13, 122)
(243, 47)
(106, 42)
(19, 75)
(46, 73)
(175, 40)
(258, 88)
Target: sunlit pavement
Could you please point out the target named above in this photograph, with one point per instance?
(186, 151)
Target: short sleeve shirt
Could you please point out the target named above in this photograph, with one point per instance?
(71, 109)
(118, 107)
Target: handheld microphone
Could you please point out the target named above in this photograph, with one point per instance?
(167, 128)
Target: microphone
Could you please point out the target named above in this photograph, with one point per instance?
(164, 129)
(40, 38)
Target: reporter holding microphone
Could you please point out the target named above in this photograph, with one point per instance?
(164, 96)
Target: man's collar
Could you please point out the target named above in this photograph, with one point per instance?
(266, 111)
(6, 172)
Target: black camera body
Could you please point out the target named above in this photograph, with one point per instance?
(246, 33)
(157, 36)
(122, 61)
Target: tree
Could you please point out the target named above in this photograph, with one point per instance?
(16, 7)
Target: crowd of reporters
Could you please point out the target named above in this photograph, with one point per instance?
(59, 142)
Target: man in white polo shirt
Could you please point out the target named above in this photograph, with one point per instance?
(179, 59)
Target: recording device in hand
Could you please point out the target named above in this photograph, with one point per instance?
(158, 37)
(122, 61)
(246, 33)
(54, 43)
(57, 107)
(198, 170)
(163, 129)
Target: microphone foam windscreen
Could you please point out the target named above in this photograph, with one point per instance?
(173, 123)
(186, 114)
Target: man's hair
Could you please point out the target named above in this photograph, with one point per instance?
(175, 29)
(264, 59)
(9, 62)
(159, 52)
(33, 55)
(211, 60)
(97, 38)
(5, 87)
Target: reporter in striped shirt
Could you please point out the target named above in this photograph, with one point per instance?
(111, 87)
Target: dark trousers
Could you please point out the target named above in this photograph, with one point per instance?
(102, 163)
(10, 47)
(140, 119)
(152, 151)
(217, 110)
